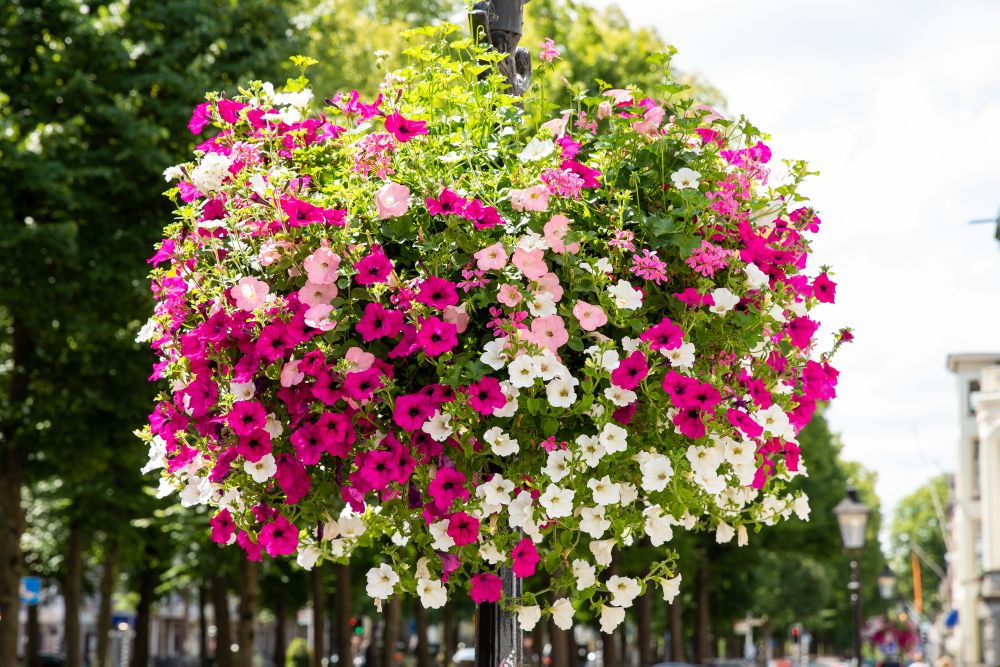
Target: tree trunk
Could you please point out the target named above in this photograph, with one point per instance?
(223, 626)
(11, 509)
(73, 594)
(560, 646)
(538, 639)
(202, 625)
(423, 648)
(280, 626)
(319, 617)
(246, 630)
(644, 626)
(106, 608)
(610, 647)
(344, 610)
(144, 610)
(33, 630)
(676, 632)
(390, 632)
(703, 619)
(447, 634)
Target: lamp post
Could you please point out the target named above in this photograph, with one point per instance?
(886, 583)
(852, 518)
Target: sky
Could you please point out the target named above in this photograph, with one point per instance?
(897, 104)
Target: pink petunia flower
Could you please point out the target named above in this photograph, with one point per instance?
(491, 258)
(249, 293)
(525, 557)
(631, 370)
(318, 317)
(589, 316)
(437, 293)
(254, 445)
(379, 322)
(411, 411)
(435, 336)
(530, 262)
(223, 527)
(404, 129)
(246, 416)
(485, 587)
(509, 295)
(279, 537)
(315, 294)
(392, 200)
(463, 529)
(321, 266)
(555, 231)
(535, 198)
(373, 268)
(486, 396)
(549, 331)
(549, 51)
(664, 335)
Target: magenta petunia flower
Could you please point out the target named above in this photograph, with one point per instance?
(411, 411)
(338, 434)
(245, 417)
(525, 557)
(404, 129)
(689, 422)
(437, 293)
(631, 370)
(663, 336)
(223, 527)
(447, 203)
(463, 529)
(309, 444)
(292, 478)
(744, 422)
(254, 445)
(252, 549)
(361, 385)
(485, 587)
(279, 537)
(379, 322)
(486, 396)
(373, 268)
(447, 486)
(800, 331)
(824, 289)
(435, 336)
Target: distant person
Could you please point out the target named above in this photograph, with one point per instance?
(945, 661)
(918, 661)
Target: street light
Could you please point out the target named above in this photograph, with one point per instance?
(886, 583)
(852, 518)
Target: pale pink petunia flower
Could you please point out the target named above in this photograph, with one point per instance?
(555, 231)
(491, 258)
(318, 317)
(270, 251)
(531, 262)
(314, 294)
(535, 198)
(359, 359)
(290, 374)
(603, 110)
(550, 283)
(619, 95)
(590, 316)
(549, 51)
(549, 331)
(509, 295)
(322, 265)
(249, 293)
(392, 200)
(650, 122)
(557, 125)
(457, 316)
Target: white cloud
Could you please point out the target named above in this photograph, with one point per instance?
(897, 103)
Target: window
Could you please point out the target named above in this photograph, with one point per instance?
(975, 468)
(973, 396)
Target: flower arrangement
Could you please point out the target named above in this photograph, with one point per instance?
(435, 325)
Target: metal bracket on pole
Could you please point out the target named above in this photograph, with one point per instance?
(501, 22)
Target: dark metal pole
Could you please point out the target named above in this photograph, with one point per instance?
(499, 641)
(855, 588)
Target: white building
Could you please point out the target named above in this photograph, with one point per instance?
(974, 560)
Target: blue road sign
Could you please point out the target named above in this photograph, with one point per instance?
(31, 590)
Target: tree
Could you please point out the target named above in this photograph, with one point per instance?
(918, 527)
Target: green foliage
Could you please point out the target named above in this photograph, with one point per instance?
(298, 654)
(918, 526)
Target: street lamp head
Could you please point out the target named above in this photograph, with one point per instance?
(886, 583)
(852, 517)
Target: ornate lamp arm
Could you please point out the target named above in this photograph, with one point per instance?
(501, 22)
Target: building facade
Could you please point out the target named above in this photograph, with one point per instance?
(974, 558)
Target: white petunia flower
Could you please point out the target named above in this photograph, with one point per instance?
(591, 450)
(261, 470)
(605, 491)
(657, 526)
(656, 472)
(243, 391)
(602, 551)
(491, 554)
(438, 426)
(680, 357)
(382, 582)
(523, 371)
(307, 557)
(500, 443)
(433, 594)
(724, 533)
(739, 453)
(557, 464)
(562, 613)
(611, 618)
(671, 587)
(541, 304)
(211, 172)
(520, 510)
(584, 573)
(510, 392)
(624, 590)
(557, 502)
(593, 522)
(620, 396)
(561, 391)
(742, 538)
(528, 616)
(157, 455)
(536, 149)
(724, 300)
(625, 296)
(148, 330)
(607, 359)
(685, 178)
(495, 354)
(756, 279)
(613, 438)
(442, 540)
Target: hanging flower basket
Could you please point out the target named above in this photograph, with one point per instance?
(433, 325)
